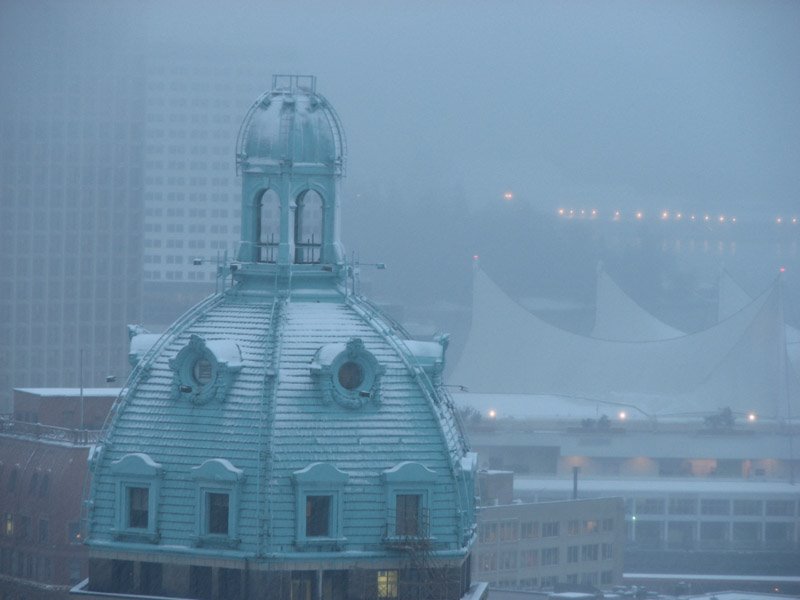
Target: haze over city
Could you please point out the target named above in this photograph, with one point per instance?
(598, 202)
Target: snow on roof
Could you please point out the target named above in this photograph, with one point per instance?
(739, 363)
(644, 486)
(71, 392)
(618, 317)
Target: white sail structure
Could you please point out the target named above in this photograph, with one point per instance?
(740, 363)
(732, 298)
(618, 317)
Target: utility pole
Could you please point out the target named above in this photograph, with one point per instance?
(80, 382)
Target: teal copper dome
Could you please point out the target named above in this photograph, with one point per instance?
(294, 124)
(284, 428)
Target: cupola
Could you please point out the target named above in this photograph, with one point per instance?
(290, 153)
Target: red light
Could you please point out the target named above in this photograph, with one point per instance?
(782, 269)
(475, 257)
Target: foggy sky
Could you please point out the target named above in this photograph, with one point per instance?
(677, 105)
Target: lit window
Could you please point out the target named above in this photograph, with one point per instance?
(74, 532)
(387, 584)
(318, 516)
(218, 513)
(138, 503)
(408, 514)
(8, 524)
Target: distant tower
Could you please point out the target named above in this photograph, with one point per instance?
(284, 439)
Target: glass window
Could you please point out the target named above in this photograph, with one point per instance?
(529, 530)
(318, 514)
(218, 513)
(387, 584)
(780, 508)
(74, 532)
(572, 554)
(549, 556)
(24, 527)
(550, 529)
(43, 530)
(508, 560)
(408, 513)
(138, 498)
(682, 506)
(509, 530)
(488, 532)
(650, 506)
(747, 507)
(487, 561)
(573, 527)
(607, 551)
(203, 371)
(589, 552)
(715, 506)
(528, 558)
(351, 375)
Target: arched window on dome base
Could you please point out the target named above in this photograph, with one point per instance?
(308, 228)
(269, 227)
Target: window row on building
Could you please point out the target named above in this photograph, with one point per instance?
(20, 528)
(319, 501)
(510, 530)
(715, 506)
(593, 578)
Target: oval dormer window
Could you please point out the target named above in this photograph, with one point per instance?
(203, 370)
(351, 375)
(348, 374)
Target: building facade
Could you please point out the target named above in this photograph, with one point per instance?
(43, 469)
(573, 545)
(71, 140)
(284, 439)
(726, 495)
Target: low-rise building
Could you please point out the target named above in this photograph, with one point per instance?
(43, 469)
(526, 545)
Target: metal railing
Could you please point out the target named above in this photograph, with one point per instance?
(48, 432)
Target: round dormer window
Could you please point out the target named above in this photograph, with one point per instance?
(203, 371)
(348, 374)
(351, 375)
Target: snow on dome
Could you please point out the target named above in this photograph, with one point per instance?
(291, 123)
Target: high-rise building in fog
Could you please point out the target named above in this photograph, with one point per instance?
(191, 192)
(71, 141)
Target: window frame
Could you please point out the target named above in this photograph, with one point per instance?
(409, 479)
(132, 471)
(217, 476)
(320, 479)
(387, 583)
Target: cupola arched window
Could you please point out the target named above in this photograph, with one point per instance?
(308, 228)
(269, 226)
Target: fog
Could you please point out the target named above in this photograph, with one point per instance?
(679, 107)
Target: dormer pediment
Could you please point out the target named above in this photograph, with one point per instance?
(137, 464)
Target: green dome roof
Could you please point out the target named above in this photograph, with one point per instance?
(293, 123)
